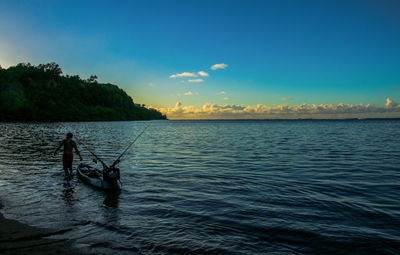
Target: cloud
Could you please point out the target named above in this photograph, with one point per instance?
(219, 66)
(201, 73)
(391, 104)
(184, 74)
(305, 111)
(287, 98)
(226, 98)
(196, 80)
(222, 93)
(188, 93)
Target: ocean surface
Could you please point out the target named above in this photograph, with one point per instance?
(212, 187)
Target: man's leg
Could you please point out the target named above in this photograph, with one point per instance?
(65, 164)
(70, 161)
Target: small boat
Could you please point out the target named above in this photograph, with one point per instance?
(94, 177)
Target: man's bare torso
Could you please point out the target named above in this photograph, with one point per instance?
(69, 144)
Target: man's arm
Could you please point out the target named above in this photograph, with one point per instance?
(77, 151)
(59, 147)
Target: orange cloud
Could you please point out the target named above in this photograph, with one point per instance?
(219, 66)
(201, 73)
(196, 80)
(184, 74)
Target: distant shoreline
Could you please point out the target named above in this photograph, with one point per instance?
(308, 119)
(98, 121)
(75, 121)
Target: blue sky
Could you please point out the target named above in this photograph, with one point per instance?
(314, 52)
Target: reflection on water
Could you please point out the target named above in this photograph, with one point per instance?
(68, 191)
(213, 187)
(111, 198)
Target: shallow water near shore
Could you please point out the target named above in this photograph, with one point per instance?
(213, 187)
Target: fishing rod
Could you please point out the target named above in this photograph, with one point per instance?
(137, 137)
(101, 161)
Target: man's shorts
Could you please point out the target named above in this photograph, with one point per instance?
(67, 161)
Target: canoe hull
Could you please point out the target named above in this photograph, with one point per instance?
(94, 177)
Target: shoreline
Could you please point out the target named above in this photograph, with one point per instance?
(228, 120)
(19, 238)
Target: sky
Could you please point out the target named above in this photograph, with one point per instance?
(221, 59)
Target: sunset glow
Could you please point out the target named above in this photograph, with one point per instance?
(221, 59)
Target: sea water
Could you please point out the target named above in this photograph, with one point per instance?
(212, 187)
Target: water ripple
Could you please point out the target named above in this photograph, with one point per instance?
(213, 187)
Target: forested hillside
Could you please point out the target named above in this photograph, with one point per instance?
(43, 93)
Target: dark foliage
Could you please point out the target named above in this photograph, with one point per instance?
(41, 93)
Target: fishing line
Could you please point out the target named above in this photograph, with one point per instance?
(101, 161)
(137, 137)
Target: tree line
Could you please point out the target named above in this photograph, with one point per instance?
(43, 93)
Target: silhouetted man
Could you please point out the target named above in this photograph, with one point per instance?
(68, 156)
